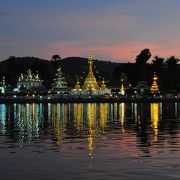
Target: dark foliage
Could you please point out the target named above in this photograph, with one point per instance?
(143, 57)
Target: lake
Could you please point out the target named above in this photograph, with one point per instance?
(90, 141)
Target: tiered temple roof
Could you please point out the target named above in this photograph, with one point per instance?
(154, 87)
(29, 77)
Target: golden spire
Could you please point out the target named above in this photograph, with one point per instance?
(122, 90)
(154, 87)
(90, 81)
(77, 86)
(103, 85)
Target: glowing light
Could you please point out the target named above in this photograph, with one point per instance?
(154, 87)
(122, 90)
(90, 81)
(155, 115)
(122, 115)
(91, 114)
(103, 115)
(78, 115)
(3, 117)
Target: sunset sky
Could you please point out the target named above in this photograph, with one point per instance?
(115, 30)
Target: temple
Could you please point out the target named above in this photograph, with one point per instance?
(77, 89)
(60, 86)
(90, 82)
(90, 86)
(29, 81)
(154, 87)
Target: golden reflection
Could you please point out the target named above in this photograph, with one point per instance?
(122, 115)
(155, 115)
(78, 117)
(65, 114)
(28, 118)
(115, 110)
(91, 118)
(57, 119)
(103, 115)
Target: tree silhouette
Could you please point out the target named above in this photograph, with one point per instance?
(55, 60)
(172, 61)
(56, 57)
(172, 77)
(158, 63)
(143, 57)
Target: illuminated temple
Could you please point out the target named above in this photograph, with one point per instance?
(154, 87)
(90, 86)
(29, 80)
(90, 82)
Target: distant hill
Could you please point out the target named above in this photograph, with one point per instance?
(72, 67)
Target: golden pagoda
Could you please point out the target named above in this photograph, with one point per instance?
(154, 87)
(77, 86)
(90, 82)
(122, 90)
(103, 86)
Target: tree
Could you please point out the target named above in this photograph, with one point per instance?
(55, 60)
(56, 57)
(172, 61)
(158, 62)
(172, 72)
(143, 57)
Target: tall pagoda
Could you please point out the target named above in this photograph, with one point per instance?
(154, 87)
(59, 85)
(90, 82)
(90, 86)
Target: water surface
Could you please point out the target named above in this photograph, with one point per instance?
(90, 141)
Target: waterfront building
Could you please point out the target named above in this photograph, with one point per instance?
(60, 85)
(3, 86)
(154, 87)
(29, 81)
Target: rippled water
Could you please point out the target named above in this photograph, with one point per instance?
(90, 141)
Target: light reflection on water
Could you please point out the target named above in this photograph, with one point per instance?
(90, 141)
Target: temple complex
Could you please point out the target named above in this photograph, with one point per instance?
(29, 81)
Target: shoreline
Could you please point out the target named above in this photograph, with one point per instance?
(87, 100)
